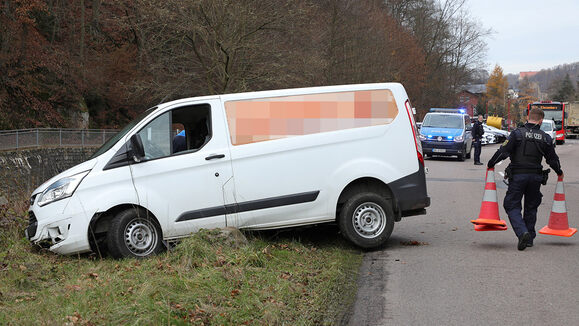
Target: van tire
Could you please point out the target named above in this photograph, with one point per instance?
(134, 234)
(460, 157)
(380, 219)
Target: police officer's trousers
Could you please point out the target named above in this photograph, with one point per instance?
(527, 185)
(476, 143)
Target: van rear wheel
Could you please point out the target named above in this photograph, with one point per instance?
(367, 220)
(134, 234)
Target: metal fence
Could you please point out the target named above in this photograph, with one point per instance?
(33, 138)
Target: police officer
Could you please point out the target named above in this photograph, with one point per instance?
(526, 147)
(477, 134)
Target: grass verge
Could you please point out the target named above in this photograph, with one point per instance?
(300, 277)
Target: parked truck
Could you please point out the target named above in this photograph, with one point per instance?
(572, 119)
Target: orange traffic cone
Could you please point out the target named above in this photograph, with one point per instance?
(488, 219)
(558, 223)
(490, 227)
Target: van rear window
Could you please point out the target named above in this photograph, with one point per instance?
(271, 118)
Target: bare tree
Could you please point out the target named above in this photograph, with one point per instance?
(453, 44)
(208, 47)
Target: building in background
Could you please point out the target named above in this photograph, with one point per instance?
(470, 96)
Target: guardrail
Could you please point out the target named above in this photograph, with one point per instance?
(46, 137)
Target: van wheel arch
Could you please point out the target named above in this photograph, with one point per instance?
(101, 223)
(372, 185)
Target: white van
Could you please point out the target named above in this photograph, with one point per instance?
(262, 160)
(550, 128)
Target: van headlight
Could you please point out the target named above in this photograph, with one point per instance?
(61, 189)
(422, 137)
(458, 139)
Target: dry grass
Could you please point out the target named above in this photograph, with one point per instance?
(293, 278)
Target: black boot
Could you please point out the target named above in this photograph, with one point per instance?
(524, 240)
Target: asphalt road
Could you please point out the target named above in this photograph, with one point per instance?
(436, 270)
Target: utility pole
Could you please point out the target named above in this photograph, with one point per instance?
(509, 115)
(487, 108)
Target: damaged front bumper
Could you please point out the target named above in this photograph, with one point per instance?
(60, 227)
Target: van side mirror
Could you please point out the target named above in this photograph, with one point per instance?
(137, 151)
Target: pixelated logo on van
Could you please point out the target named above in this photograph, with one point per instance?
(271, 118)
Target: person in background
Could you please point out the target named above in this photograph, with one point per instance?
(477, 134)
(526, 147)
(179, 142)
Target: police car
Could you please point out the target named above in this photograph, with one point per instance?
(446, 132)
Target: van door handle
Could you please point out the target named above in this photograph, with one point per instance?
(214, 157)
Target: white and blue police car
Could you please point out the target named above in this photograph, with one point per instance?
(446, 132)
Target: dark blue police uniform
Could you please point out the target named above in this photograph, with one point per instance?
(477, 134)
(526, 147)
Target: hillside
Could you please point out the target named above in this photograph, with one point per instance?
(61, 61)
(547, 77)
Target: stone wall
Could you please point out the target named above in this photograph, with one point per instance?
(24, 170)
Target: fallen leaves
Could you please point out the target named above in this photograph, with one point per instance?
(413, 243)
(273, 301)
(220, 261)
(127, 292)
(76, 319)
(30, 297)
(266, 251)
(73, 287)
(164, 266)
(286, 275)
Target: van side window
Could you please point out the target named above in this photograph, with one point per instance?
(156, 137)
(190, 128)
(180, 130)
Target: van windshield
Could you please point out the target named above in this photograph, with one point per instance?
(453, 121)
(113, 140)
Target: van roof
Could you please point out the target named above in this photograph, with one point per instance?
(290, 91)
(311, 90)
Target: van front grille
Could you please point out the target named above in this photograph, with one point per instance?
(32, 225)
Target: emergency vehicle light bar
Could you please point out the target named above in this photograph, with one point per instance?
(463, 111)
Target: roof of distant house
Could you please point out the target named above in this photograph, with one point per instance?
(527, 74)
(475, 88)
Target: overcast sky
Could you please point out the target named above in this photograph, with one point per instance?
(529, 35)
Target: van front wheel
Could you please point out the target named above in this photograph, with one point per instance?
(134, 234)
(367, 220)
